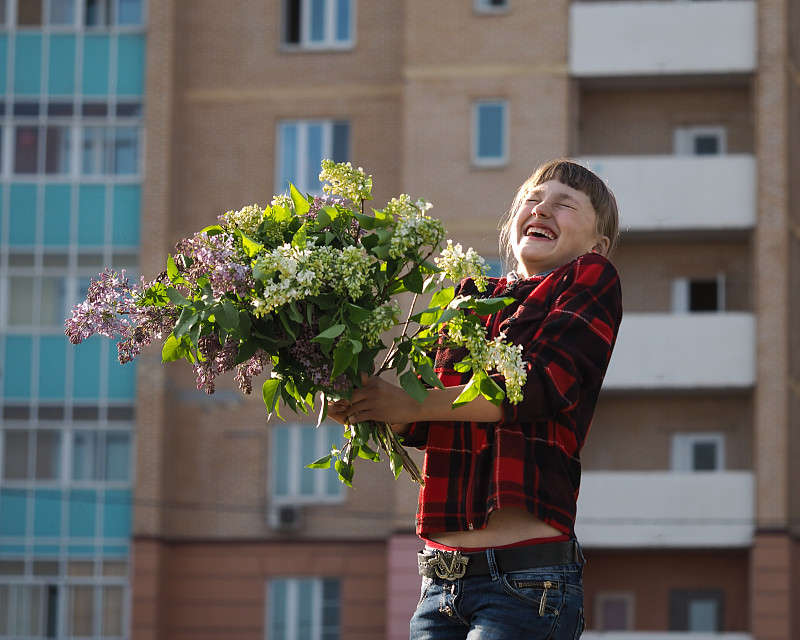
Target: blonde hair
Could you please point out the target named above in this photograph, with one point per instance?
(577, 177)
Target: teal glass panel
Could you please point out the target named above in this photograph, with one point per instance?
(121, 377)
(12, 550)
(61, 80)
(53, 366)
(278, 608)
(82, 513)
(116, 550)
(28, 64)
(130, 65)
(17, 369)
(13, 503)
(46, 549)
(80, 550)
(308, 477)
(87, 368)
(117, 514)
(127, 205)
(56, 214)
(22, 215)
(3, 58)
(91, 215)
(95, 64)
(47, 513)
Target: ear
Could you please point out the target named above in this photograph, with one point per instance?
(602, 245)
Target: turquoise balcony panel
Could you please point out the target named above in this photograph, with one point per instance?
(127, 205)
(56, 230)
(121, 377)
(13, 505)
(3, 62)
(117, 514)
(86, 375)
(52, 367)
(130, 65)
(17, 367)
(28, 64)
(61, 69)
(22, 215)
(47, 513)
(96, 50)
(91, 215)
(82, 512)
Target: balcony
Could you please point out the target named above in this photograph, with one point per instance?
(666, 509)
(683, 351)
(627, 39)
(651, 190)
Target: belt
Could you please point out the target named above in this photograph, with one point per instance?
(451, 565)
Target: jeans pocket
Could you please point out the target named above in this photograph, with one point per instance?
(423, 592)
(544, 593)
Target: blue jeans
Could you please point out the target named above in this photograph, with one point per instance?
(538, 604)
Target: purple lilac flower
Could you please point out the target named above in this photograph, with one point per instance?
(252, 368)
(219, 358)
(217, 258)
(316, 367)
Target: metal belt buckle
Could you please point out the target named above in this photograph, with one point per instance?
(449, 565)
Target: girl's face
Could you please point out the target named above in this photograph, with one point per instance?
(554, 225)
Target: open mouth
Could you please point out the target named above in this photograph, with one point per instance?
(539, 232)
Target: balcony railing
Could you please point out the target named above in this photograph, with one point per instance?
(664, 509)
(609, 39)
(661, 193)
(683, 351)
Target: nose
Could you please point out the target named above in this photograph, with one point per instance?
(540, 210)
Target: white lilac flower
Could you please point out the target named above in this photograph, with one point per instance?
(458, 265)
(380, 320)
(414, 229)
(343, 180)
(247, 220)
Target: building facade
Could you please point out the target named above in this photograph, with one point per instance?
(132, 505)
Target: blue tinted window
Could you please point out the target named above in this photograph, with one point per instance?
(56, 214)
(91, 215)
(82, 513)
(47, 513)
(61, 79)
(121, 377)
(343, 20)
(317, 20)
(130, 12)
(130, 65)
(22, 215)
(13, 504)
(288, 155)
(52, 367)
(28, 64)
(95, 65)
(117, 514)
(3, 58)
(86, 375)
(314, 156)
(127, 204)
(490, 131)
(17, 367)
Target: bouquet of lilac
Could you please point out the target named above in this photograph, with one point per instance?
(305, 291)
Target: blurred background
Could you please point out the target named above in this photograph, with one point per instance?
(134, 506)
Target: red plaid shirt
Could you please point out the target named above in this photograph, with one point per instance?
(567, 322)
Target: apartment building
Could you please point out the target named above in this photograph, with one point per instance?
(132, 505)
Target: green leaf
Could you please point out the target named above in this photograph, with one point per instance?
(357, 314)
(413, 281)
(251, 247)
(323, 218)
(425, 370)
(176, 298)
(491, 390)
(413, 387)
(270, 392)
(345, 472)
(172, 268)
(185, 322)
(330, 333)
(366, 222)
(443, 297)
(485, 306)
(322, 463)
(301, 204)
(342, 357)
(175, 349)
(470, 392)
(229, 316)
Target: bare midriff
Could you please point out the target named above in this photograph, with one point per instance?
(505, 526)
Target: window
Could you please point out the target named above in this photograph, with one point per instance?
(293, 447)
(110, 151)
(697, 295)
(303, 145)
(698, 452)
(305, 608)
(615, 611)
(94, 13)
(318, 24)
(696, 610)
(491, 6)
(700, 141)
(489, 134)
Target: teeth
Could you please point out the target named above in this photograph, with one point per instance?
(539, 231)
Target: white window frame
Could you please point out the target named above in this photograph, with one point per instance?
(479, 160)
(487, 6)
(626, 597)
(330, 25)
(684, 138)
(304, 161)
(682, 451)
(297, 461)
(681, 297)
